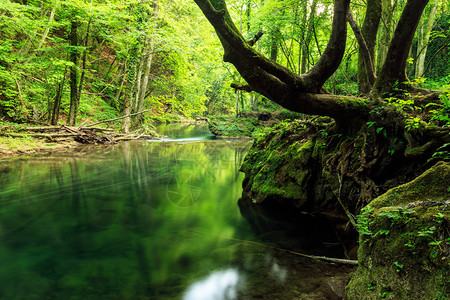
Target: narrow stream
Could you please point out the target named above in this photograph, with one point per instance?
(143, 220)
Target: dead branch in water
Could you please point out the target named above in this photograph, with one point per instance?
(323, 258)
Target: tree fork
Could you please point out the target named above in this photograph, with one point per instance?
(299, 93)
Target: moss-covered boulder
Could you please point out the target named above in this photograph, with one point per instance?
(246, 124)
(233, 127)
(404, 248)
(282, 166)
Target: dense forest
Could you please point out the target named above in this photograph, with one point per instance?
(66, 61)
(347, 103)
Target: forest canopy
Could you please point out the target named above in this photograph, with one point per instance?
(62, 61)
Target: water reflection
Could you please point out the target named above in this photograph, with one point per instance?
(114, 224)
(220, 285)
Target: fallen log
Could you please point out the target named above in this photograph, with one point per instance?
(41, 135)
(58, 128)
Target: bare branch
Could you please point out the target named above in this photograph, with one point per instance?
(255, 38)
(241, 87)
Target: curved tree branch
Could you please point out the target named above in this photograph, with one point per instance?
(217, 14)
(299, 93)
(331, 58)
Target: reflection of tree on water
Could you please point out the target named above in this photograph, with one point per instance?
(103, 226)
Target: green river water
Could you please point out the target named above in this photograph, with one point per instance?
(142, 220)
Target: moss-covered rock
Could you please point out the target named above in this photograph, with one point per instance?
(405, 241)
(233, 127)
(281, 165)
(248, 123)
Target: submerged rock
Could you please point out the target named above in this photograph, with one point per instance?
(404, 248)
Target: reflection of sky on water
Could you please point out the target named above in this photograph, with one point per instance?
(220, 285)
(224, 284)
(278, 272)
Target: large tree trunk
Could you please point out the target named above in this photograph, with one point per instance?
(394, 67)
(301, 93)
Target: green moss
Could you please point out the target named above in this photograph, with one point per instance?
(233, 127)
(433, 182)
(276, 166)
(412, 259)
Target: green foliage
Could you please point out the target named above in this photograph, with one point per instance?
(399, 266)
(442, 153)
(413, 123)
(187, 77)
(362, 219)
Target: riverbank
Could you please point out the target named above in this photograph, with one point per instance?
(28, 139)
(16, 140)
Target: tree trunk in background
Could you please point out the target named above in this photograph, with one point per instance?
(148, 65)
(57, 103)
(46, 31)
(130, 86)
(274, 46)
(386, 30)
(138, 86)
(301, 41)
(73, 56)
(369, 32)
(123, 75)
(83, 60)
(423, 39)
(308, 37)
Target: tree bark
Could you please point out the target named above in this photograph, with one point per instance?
(394, 67)
(274, 45)
(386, 29)
(83, 63)
(365, 58)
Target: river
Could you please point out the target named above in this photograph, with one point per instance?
(144, 220)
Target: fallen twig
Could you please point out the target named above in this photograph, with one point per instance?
(123, 117)
(323, 258)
